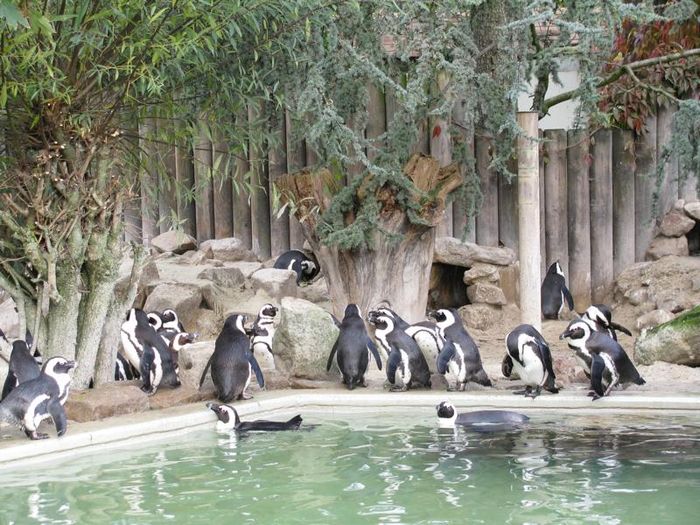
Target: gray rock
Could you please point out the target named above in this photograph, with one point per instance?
(275, 283)
(228, 249)
(482, 272)
(653, 318)
(675, 224)
(9, 319)
(183, 298)
(695, 283)
(676, 341)
(208, 324)
(193, 257)
(480, 316)
(192, 360)
(450, 250)
(510, 282)
(316, 292)
(111, 399)
(246, 268)
(692, 209)
(174, 241)
(226, 276)
(479, 293)
(637, 296)
(679, 205)
(663, 246)
(304, 339)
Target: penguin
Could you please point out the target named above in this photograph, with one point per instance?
(528, 354)
(404, 355)
(263, 329)
(305, 267)
(554, 293)
(599, 318)
(132, 349)
(462, 356)
(22, 367)
(155, 319)
(229, 420)
(351, 346)
(123, 371)
(170, 321)
(479, 420)
(232, 363)
(177, 342)
(40, 398)
(606, 361)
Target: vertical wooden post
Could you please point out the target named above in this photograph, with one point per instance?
(529, 215)
(601, 215)
(148, 182)
(487, 219)
(184, 173)
(296, 159)
(579, 218)
(644, 176)
(167, 181)
(556, 216)
(623, 200)
(204, 197)
(668, 191)
(222, 190)
(508, 210)
(259, 203)
(543, 202)
(277, 162)
(441, 149)
(241, 203)
(460, 211)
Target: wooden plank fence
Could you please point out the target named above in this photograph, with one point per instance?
(596, 193)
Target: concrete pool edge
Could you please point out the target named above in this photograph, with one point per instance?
(131, 428)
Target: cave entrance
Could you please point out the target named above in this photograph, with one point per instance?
(694, 239)
(447, 288)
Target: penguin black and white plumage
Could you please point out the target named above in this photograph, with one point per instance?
(305, 267)
(22, 367)
(228, 420)
(170, 321)
(177, 342)
(528, 354)
(351, 348)
(554, 293)
(606, 361)
(479, 420)
(262, 334)
(405, 361)
(155, 319)
(40, 398)
(599, 318)
(461, 357)
(123, 370)
(232, 363)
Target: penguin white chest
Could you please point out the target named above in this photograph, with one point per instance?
(532, 371)
(32, 419)
(156, 369)
(403, 373)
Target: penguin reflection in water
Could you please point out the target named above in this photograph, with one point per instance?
(228, 420)
(527, 354)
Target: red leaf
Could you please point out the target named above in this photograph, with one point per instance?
(436, 131)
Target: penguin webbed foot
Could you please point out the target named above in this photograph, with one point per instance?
(595, 396)
(534, 393)
(246, 395)
(34, 435)
(396, 388)
(524, 392)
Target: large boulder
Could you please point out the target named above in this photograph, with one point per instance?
(304, 339)
(480, 316)
(450, 250)
(677, 341)
(693, 209)
(228, 277)
(675, 224)
(183, 298)
(107, 400)
(662, 246)
(486, 293)
(481, 272)
(192, 360)
(653, 318)
(275, 283)
(174, 241)
(228, 249)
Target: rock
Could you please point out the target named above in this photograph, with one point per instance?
(450, 250)
(208, 324)
(692, 209)
(111, 399)
(485, 293)
(172, 397)
(675, 224)
(675, 341)
(265, 359)
(637, 296)
(304, 339)
(679, 205)
(672, 303)
(482, 272)
(316, 292)
(228, 249)
(9, 319)
(275, 283)
(653, 318)
(226, 276)
(480, 316)
(192, 360)
(174, 241)
(193, 257)
(183, 298)
(510, 282)
(695, 283)
(246, 268)
(663, 246)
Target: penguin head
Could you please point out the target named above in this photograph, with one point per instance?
(381, 321)
(599, 313)
(138, 317)
(267, 311)
(446, 414)
(352, 310)
(20, 346)
(155, 319)
(169, 316)
(308, 267)
(443, 317)
(57, 365)
(227, 416)
(183, 339)
(235, 322)
(577, 333)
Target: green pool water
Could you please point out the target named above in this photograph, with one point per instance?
(378, 469)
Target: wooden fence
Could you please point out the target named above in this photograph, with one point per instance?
(596, 197)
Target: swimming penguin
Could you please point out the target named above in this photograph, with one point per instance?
(40, 398)
(608, 363)
(262, 334)
(229, 420)
(404, 355)
(528, 354)
(554, 293)
(170, 321)
(232, 363)
(351, 346)
(22, 367)
(479, 420)
(599, 318)
(462, 356)
(305, 267)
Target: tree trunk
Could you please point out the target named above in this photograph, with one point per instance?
(397, 271)
(62, 319)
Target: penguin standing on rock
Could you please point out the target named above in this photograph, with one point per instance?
(406, 366)
(351, 348)
(599, 318)
(23, 367)
(262, 334)
(554, 293)
(40, 398)
(528, 354)
(462, 356)
(232, 364)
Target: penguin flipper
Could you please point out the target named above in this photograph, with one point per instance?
(445, 356)
(597, 369)
(206, 369)
(58, 414)
(568, 297)
(332, 355)
(547, 360)
(373, 348)
(392, 364)
(507, 366)
(256, 370)
(620, 328)
(10, 382)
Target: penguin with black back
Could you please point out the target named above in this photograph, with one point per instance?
(608, 363)
(528, 354)
(232, 363)
(554, 293)
(123, 370)
(228, 420)
(599, 318)
(461, 357)
(405, 362)
(351, 348)
(33, 401)
(22, 367)
(480, 420)
(305, 267)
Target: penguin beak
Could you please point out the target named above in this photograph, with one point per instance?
(565, 334)
(70, 365)
(214, 407)
(432, 314)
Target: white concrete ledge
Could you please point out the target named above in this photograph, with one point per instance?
(130, 429)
